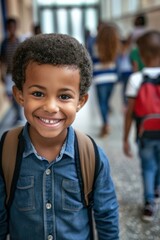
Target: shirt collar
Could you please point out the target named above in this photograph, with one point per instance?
(151, 72)
(67, 148)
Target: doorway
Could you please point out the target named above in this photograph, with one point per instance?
(72, 20)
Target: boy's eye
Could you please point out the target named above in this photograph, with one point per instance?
(65, 97)
(38, 94)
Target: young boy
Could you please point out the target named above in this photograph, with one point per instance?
(149, 149)
(52, 74)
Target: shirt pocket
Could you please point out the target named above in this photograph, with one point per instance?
(24, 196)
(71, 195)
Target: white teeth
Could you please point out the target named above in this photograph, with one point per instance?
(48, 121)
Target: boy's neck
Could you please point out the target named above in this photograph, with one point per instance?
(48, 148)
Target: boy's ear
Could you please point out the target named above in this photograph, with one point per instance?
(82, 101)
(18, 95)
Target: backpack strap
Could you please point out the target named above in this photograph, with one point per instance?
(87, 164)
(13, 145)
(86, 168)
(148, 79)
(87, 159)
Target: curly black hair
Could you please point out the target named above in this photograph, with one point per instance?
(55, 49)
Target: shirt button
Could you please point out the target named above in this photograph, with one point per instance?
(48, 171)
(48, 205)
(50, 237)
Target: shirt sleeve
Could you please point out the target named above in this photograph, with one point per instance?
(105, 202)
(133, 85)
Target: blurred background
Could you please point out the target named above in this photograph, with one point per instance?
(74, 17)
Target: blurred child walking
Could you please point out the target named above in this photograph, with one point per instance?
(148, 146)
(105, 73)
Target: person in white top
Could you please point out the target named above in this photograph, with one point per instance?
(149, 151)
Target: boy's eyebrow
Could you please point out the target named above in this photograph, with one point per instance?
(39, 86)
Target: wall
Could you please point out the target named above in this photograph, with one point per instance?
(22, 11)
(123, 12)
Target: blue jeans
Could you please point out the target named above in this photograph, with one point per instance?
(104, 92)
(149, 152)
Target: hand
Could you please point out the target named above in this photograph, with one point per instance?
(127, 149)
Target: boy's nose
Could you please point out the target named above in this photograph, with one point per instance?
(51, 106)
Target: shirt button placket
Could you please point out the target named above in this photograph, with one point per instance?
(48, 203)
(48, 171)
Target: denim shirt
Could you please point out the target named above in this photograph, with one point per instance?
(47, 203)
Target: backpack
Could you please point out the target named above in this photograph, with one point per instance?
(13, 145)
(147, 108)
(87, 159)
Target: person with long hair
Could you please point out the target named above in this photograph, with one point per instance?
(105, 70)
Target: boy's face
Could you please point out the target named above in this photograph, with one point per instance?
(50, 98)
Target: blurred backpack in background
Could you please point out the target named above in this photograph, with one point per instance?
(147, 108)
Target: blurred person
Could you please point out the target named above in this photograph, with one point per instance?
(124, 66)
(105, 70)
(148, 144)
(8, 48)
(139, 27)
(91, 40)
(4, 102)
(87, 37)
(36, 29)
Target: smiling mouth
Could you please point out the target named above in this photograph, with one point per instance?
(50, 121)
